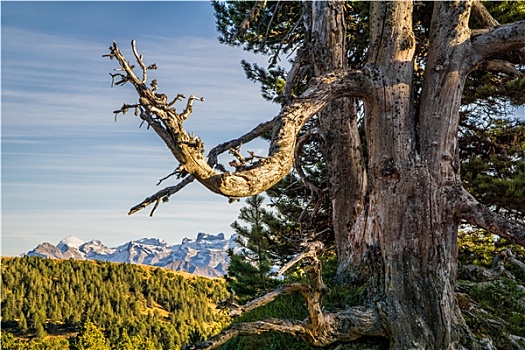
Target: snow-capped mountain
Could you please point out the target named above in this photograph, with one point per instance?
(205, 256)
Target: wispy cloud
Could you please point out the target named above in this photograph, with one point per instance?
(63, 84)
(68, 168)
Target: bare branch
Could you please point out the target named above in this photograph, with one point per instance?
(188, 150)
(477, 273)
(125, 109)
(139, 61)
(506, 256)
(479, 215)
(212, 161)
(189, 106)
(177, 98)
(501, 66)
(502, 39)
(320, 328)
(237, 310)
(344, 326)
(123, 79)
(258, 131)
(124, 65)
(163, 194)
(175, 172)
(295, 328)
(313, 249)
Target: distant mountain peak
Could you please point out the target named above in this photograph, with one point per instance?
(207, 237)
(71, 241)
(151, 241)
(205, 256)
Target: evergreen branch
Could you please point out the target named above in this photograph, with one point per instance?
(300, 172)
(250, 17)
(315, 192)
(289, 43)
(275, 11)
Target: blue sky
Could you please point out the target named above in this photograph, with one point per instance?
(67, 167)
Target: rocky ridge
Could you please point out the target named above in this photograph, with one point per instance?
(205, 256)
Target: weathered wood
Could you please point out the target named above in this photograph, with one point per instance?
(480, 216)
(263, 174)
(395, 215)
(478, 273)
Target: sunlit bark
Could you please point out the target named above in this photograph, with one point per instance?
(395, 216)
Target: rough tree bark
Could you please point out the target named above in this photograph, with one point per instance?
(396, 216)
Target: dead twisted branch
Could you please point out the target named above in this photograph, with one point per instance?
(320, 328)
(483, 217)
(164, 194)
(477, 273)
(154, 109)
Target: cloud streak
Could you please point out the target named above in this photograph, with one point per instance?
(67, 167)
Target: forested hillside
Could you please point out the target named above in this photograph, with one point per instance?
(69, 304)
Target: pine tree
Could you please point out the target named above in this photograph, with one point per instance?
(91, 338)
(124, 341)
(396, 194)
(8, 341)
(249, 268)
(22, 323)
(143, 343)
(40, 332)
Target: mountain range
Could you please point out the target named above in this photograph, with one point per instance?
(205, 256)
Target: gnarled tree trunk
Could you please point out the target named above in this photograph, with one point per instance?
(394, 228)
(395, 215)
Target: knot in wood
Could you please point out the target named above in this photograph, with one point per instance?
(389, 169)
(407, 42)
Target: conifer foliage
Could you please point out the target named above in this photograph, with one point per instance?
(94, 305)
(249, 267)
